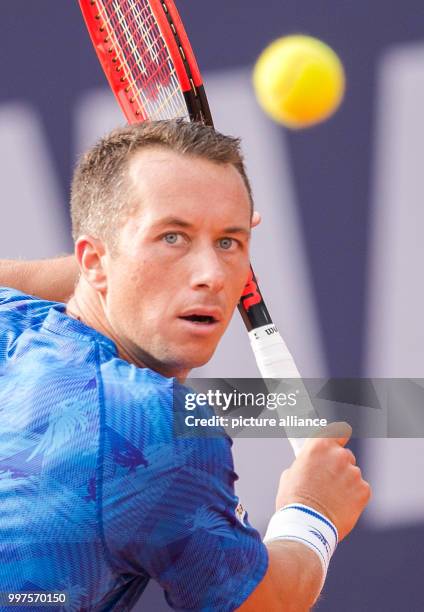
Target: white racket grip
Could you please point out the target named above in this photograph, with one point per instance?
(275, 361)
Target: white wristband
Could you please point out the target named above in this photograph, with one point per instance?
(304, 524)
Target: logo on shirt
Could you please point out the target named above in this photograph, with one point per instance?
(240, 513)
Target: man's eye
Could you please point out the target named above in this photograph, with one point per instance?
(171, 238)
(226, 243)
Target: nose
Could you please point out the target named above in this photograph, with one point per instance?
(208, 271)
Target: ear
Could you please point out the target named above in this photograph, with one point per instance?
(256, 219)
(90, 254)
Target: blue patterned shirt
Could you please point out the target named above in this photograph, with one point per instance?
(97, 493)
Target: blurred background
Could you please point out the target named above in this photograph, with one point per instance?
(338, 254)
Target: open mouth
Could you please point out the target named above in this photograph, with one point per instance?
(200, 319)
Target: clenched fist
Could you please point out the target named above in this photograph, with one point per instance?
(325, 476)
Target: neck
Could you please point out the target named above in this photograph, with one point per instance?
(87, 305)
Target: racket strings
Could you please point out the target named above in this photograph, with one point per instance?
(163, 78)
(144, 57)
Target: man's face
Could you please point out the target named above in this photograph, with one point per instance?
(182, 260)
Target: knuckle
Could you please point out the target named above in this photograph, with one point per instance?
(342, 458)
(351, 456)
(339, 461)
(348, 456)
(357, 472)
(322, 444)
(366, 490)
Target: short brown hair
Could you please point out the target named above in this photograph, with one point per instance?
(100, 195)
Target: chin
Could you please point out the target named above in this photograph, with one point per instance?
(187, 362)
(190, 363)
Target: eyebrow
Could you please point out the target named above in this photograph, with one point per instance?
(176, 221)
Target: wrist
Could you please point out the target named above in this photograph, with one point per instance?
(298, 522)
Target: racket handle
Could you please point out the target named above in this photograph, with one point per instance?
(275, 361)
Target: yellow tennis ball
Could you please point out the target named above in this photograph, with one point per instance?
(299, 81)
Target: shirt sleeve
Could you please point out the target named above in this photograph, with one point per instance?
(176, 518)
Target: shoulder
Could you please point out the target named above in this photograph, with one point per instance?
(144, 410)
(137, 406)
(19, 312)
(9, 295)
(129, 387)
(20, 304)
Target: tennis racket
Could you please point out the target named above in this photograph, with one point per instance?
(149, 63)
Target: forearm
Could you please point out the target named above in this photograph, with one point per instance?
(292, 582)
(50, 279)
